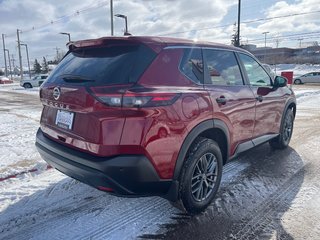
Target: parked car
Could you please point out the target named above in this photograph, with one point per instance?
(141, 116)
(312, 77)
(36, 81)
(5, 80)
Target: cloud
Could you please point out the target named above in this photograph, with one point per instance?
(174, 18)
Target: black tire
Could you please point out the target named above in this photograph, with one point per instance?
(27, 85)
(286, 129)
(202, 171)
(297, 81)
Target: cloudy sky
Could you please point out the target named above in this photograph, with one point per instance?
(40, 21)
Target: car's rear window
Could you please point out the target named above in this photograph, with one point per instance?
(117, 64)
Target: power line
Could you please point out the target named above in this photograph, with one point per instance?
(64, 17)
(243, 22)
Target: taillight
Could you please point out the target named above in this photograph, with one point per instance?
(135, 100)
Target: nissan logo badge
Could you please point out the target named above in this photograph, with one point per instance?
(56, 93)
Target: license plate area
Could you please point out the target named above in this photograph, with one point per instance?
(64, 119)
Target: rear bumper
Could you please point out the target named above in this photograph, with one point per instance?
(124, 174)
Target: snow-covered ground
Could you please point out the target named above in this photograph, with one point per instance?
(297, 69)
(15, 87)
(46, 204)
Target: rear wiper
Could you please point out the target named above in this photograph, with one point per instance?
(75, 78)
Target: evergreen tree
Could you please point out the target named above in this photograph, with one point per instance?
(37, 67)
(44, 66)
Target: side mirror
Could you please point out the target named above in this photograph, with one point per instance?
(280, 82)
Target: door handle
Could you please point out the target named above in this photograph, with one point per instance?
(221, 100)
(259, 98)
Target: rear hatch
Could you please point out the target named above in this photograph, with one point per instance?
(80, 98)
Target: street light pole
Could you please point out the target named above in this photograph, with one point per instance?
(65, 33)
(265, 45)
(20, 58)
(238, 33)
(10, 70)
(111, 16)
(23, 44)
(125, 21)
(5, 58)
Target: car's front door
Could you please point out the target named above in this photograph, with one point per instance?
(270, 101)
(233, 102)
(315, 78)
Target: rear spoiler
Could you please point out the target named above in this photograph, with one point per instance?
(98, 42)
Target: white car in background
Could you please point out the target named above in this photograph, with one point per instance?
(34, 82)
(312, 77)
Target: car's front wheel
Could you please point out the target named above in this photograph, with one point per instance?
(201, 175)
(286, 129)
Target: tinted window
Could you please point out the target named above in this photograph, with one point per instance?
(256, 74)
(118, 64)
(191, 64)
(222, 68)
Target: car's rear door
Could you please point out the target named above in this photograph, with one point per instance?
(233, 101)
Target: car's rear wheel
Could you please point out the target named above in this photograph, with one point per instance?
(282, 141)
(201, 175)
(27, 85)
(297, 81)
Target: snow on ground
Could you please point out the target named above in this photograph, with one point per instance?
(89, 210)
(17, 133)
(15, 87)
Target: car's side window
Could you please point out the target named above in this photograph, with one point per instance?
(222, 68)
(256, 74)
(191, 64)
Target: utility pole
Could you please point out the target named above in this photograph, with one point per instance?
(111, 15)
(10, 70)
(4, 54)
(20, 58)
(238, 32)
(57, 53)
(13, 60)
(300, 39)
(23, 44)
(265, 45)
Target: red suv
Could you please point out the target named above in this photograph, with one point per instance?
(159, 116)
